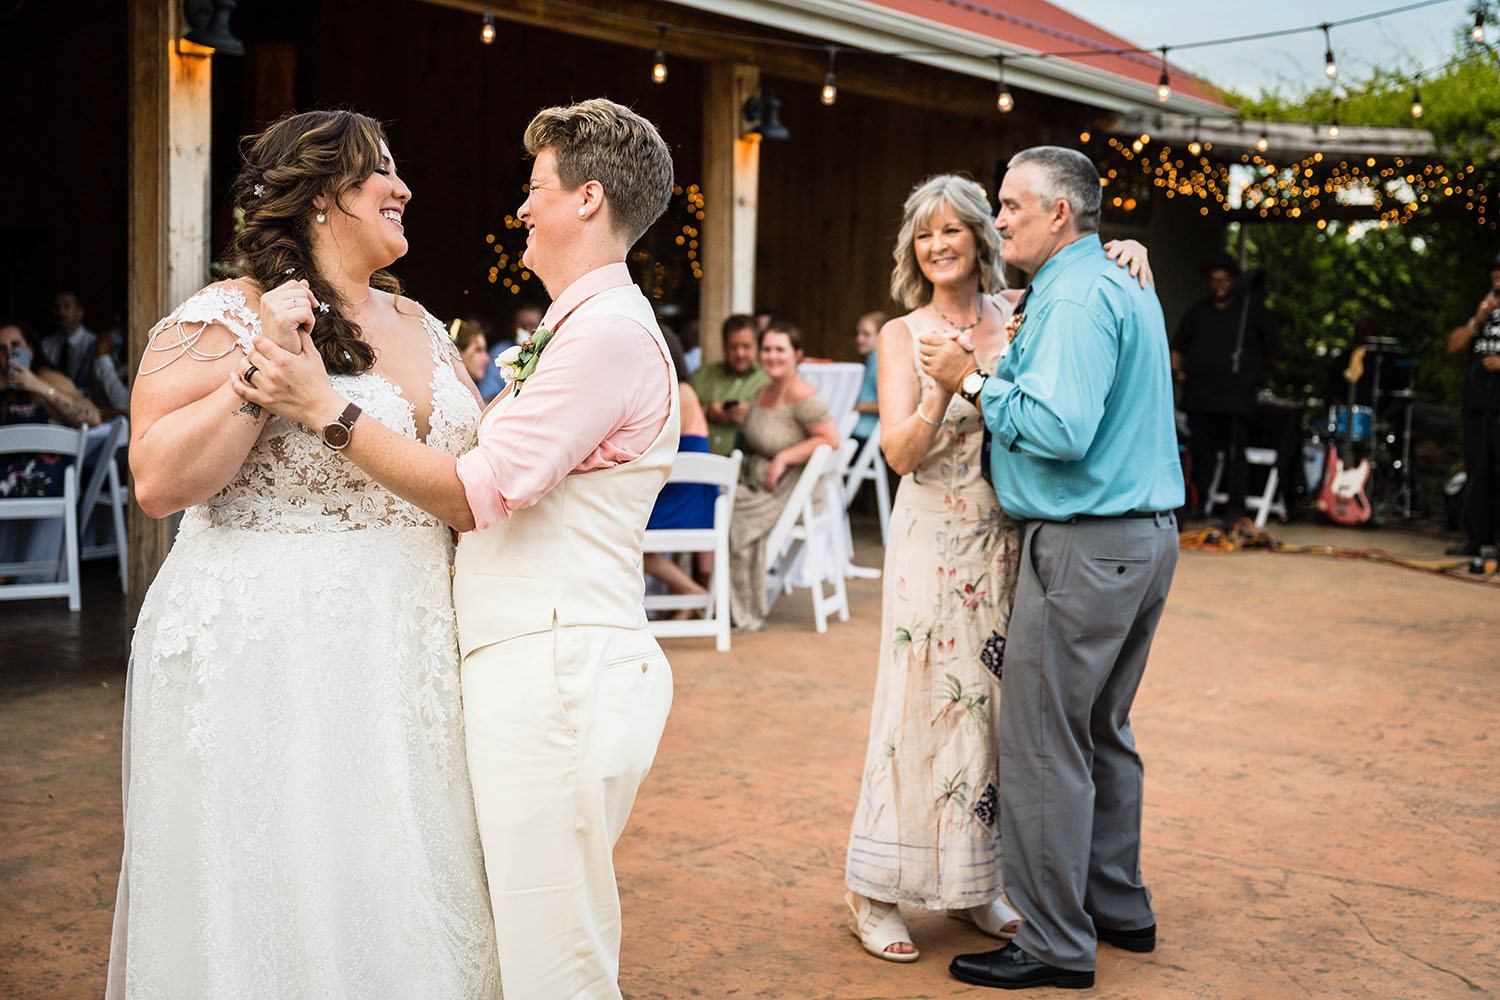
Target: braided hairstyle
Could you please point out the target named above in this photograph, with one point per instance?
(296, 159)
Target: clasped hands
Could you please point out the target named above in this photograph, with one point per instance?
(947, 358)
(287, 372)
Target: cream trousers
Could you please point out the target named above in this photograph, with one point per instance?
(561, 728)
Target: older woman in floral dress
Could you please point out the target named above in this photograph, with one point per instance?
(926, 830)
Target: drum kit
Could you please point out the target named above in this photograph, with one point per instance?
(1358, 457)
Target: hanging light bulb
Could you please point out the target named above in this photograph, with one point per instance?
(1003, 101)
(1478, 30)
(1264, 142)
(1163, 84)
(487, 30)
(1329, 66)
(830, 81)
(1196, 145)
(659, 69)
(1416, 101)
(1333, 126)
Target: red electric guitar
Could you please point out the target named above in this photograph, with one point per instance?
(1344, 497)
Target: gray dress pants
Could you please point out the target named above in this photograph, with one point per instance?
(1088, 599)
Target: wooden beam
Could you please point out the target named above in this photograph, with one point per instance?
(633, 23)
(731, 179)
(170, 114)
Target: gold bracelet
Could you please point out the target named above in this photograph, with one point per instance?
(925, 418)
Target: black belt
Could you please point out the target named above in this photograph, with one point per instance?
(1129, 515)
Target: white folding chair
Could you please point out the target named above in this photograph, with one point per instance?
(104, 489)
(802, 533)
(724, 473)
(869, 464)
(68, 442)
(1264, 505)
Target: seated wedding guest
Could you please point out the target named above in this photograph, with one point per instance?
(692, 351)
(683, 505)
(111, 386)
(69, 345)
(473, 349)
(726, 387)
(866, 337)
(33, 391)
(782, 427)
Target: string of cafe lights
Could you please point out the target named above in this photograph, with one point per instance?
(1004, 100)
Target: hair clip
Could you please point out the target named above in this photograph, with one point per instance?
(260, 190)
(323, 308)
(290, 270)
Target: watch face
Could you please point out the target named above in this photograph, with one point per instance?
(336, 436)
(973, 382)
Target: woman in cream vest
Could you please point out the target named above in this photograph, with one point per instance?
(565, 691)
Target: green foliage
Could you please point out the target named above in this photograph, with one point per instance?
(1417, 280)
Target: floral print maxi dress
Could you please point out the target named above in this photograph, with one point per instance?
(927, 828)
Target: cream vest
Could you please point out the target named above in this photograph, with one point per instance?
(573, 557)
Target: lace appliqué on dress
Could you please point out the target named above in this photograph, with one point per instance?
(171, 339)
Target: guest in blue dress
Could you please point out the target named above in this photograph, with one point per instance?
(683, 505)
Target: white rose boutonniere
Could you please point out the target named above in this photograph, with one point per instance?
(517, 362)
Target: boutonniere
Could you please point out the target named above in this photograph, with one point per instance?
(520, 360)
(1014, 326)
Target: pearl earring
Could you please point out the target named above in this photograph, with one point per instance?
(322, 218)
(582, 212)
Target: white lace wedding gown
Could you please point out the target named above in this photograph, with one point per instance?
(298, 815)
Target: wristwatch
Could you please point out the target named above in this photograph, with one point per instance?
(336, 435)
(970, 387)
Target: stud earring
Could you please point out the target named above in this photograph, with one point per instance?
(582, 212)
(322, 218)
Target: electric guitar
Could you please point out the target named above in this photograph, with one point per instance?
(1344, 497)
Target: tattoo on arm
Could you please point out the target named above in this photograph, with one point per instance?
(72, 411)
(252, 410)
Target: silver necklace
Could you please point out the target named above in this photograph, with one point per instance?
(965, 328)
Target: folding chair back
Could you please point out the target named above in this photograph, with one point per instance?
(709, 470)
(63, 567)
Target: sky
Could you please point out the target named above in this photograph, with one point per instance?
(1414, 40)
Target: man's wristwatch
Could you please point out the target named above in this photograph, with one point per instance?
(970, 387)
(336, 435)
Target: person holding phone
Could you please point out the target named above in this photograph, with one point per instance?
(1479, 338)
(724, 386)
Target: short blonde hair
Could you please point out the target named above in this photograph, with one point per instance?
(599, 140)
(909, 286)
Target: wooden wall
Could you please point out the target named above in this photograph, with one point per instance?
(63, 158)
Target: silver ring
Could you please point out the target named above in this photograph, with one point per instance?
(249, 375)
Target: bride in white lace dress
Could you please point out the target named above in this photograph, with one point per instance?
(298, 815)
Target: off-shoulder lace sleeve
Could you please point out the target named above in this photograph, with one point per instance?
(178, 333)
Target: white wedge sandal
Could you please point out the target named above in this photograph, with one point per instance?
(995, 918)
(878, 925)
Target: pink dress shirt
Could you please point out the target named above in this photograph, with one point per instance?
(598, 398)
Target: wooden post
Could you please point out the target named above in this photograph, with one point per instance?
(170, 116)
(731, 180)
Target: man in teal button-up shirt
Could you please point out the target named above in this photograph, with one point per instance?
(1084, 451)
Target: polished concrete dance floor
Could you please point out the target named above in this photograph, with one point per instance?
(1322, 744)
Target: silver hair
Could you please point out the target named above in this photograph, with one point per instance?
(1066, 175)
(909, 286)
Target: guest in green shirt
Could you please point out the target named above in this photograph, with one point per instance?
(727, 388)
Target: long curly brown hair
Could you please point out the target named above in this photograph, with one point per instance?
(296, 159)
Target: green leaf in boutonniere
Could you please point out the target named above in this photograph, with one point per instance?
(519, 361)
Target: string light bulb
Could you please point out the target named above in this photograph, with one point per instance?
(1329, 66)
(1416, 101)
(659, 68)
(1003, 101)
(1264, 142)
(1477, 33)
(1196, 145)
(1163, 83)
(487, 29)
(830, 92)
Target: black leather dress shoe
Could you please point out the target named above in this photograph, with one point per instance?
(1010, 968)
(1142, 940)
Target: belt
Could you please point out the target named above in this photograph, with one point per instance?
(1129, 515)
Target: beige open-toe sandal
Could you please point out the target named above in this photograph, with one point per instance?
(878, 925)
(996, 919)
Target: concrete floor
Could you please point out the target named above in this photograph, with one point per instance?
(1323, 797)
